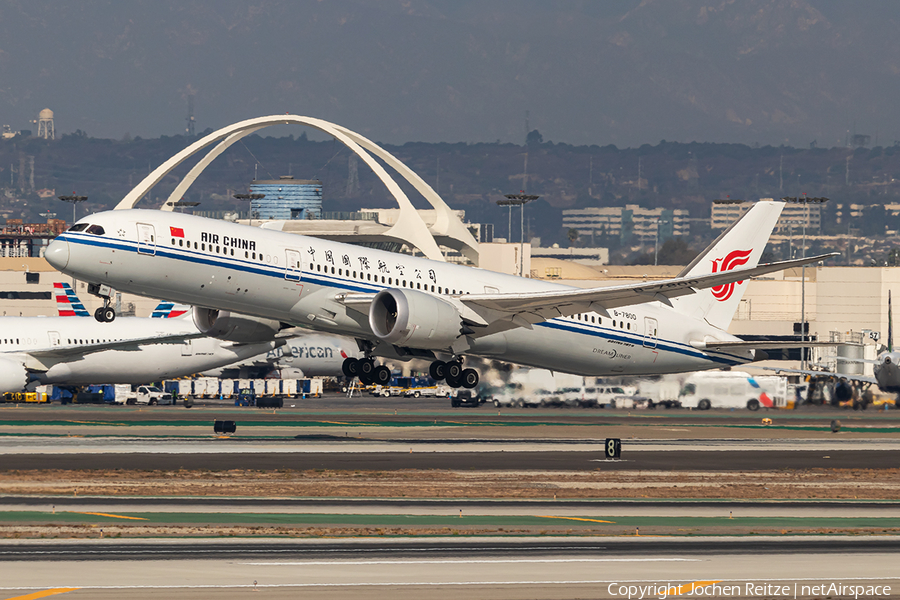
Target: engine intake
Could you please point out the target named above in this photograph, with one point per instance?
(224, 325)
(13, 376)
(413, 319)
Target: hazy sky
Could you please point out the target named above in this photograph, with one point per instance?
(622, 72)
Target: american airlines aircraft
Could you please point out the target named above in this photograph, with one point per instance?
(308, 355)
(401, 307)
(68, 350)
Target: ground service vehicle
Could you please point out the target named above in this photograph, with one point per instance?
(465, 397)
(17, 397)
(733, 389)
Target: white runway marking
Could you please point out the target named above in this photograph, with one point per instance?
(464, 562)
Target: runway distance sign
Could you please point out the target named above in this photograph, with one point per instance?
(613, 448)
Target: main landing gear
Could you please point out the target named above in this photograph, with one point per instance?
(454, 374)
(366, 370)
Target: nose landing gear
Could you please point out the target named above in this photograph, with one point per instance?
(106, 313)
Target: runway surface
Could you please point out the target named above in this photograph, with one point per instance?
(447, 568)
(471, 506)
(685, 460)
(589, 549)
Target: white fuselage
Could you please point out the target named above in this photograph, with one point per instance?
(141, 363)
(298, 279)
(312, 355)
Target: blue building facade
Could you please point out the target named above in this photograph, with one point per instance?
(287, 198)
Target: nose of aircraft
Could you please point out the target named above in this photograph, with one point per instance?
(57, 254)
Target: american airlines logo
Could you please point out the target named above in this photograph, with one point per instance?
(732, 260)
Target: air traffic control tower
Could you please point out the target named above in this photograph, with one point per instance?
(287, 198)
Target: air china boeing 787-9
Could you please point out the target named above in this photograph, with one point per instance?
(399, 306)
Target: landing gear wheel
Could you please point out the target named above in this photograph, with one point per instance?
(438, 370)
(381, 375)
(454, 370)
(366, 378)
(109, 314)
(366, 367)
(452, 381)
(469, 378)
(98, 314)
(350, 367)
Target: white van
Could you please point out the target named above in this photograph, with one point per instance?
(733, 389)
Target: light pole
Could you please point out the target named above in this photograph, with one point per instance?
(251, 198)
(182, 204)
(520, 199)
(74, 200)
(805, 202)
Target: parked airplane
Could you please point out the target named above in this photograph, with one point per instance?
(308, 355)
(400, 306)
(846, 387)
(73, 351)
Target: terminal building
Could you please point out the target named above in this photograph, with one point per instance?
(628, 223)
(793, 216)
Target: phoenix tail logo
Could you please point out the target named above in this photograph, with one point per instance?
(732, 260)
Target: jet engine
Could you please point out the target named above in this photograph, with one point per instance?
(843, 391)
(233, 327)
(414, 320)
(13, 376)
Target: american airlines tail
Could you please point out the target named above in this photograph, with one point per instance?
(169, 310)
(67, 303)
(739, 246)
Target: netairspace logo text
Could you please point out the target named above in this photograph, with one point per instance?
(767, 590)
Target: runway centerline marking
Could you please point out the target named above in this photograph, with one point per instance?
(99, 514)
(44, 594)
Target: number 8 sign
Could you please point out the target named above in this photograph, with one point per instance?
(613, 448)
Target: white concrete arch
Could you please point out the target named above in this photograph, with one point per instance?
(409, 226)
(182, 188)
(447, 225)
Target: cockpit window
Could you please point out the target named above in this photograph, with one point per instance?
(96, 230)
(78, 227)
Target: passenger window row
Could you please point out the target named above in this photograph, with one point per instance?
(390, 281)
(599, 321)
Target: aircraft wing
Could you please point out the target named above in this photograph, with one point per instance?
(527, 308)
(811, 373)
(74, 351)
(760, 345)
(540, 306)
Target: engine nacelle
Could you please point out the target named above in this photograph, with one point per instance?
(414, 319)
(224, 325)
(13, 376)
(843, 392)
